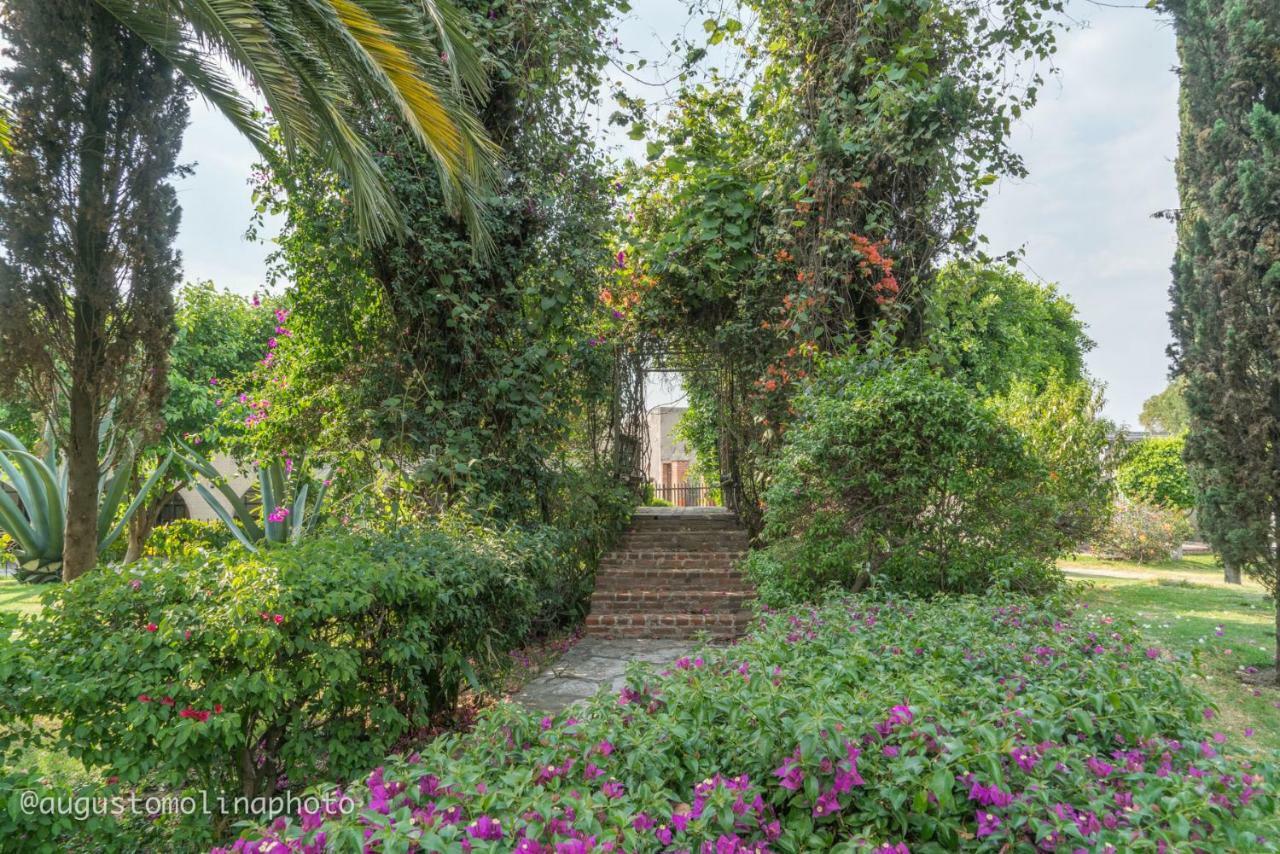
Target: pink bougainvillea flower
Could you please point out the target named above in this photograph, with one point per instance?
(988, 824)
(1024, 758)
(828, 802)
(613, 789)
(486, 828)
(790, 773)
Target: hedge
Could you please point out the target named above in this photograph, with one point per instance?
(241, 674)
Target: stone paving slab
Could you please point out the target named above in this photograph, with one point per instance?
(591, 664)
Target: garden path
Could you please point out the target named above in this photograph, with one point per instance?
(592, 664)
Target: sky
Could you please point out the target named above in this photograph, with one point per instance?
(1099, 146)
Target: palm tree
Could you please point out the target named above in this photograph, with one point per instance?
(311, 59)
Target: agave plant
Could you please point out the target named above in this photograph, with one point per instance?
(33, 502)
(292, 500)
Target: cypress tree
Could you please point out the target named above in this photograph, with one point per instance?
(87, 222)
(1226, 276)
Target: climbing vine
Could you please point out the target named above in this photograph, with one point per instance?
(801, 208)
(476, 374)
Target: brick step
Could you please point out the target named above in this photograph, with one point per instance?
(685, 523)
(707, 526)
(669, 601)
(674, 554)
(671, 579)
(691, 561)
(669, 513)
(668, 625)
(716, 542)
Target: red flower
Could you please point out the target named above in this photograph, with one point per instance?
(279, 618)
(217, 708)
(143, 698)
(151, 627)
(167, 701)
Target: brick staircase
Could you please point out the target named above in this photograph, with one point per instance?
(673, 576)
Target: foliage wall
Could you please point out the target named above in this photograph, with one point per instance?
(790, 210)
(471, 371)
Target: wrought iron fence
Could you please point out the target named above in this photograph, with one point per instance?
(688, 496)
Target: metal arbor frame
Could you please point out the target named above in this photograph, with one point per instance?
(652, 357)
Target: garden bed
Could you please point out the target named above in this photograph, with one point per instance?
(887, 726)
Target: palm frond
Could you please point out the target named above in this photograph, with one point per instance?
(313, 61)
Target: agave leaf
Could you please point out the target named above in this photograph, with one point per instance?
(314, 516)
(15, 524)
(113, 497)
(299, 512)
(46, 508)
(225, 516)
(195, 460)
(279, 484)
(50, 446)
(269, 505)
(22, 485)
(136, 503)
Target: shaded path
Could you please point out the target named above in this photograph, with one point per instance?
(592, 664)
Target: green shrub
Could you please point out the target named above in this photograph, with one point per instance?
(894, 474)
(1143, 532)
(228, 671)
(1061, 425)
(186, 538)
(586, 512)
(1153, 472)
(859, 726)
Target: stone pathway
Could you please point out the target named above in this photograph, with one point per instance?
(590, 665)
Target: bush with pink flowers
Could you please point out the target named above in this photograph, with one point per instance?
(234, 673)
(857, 726)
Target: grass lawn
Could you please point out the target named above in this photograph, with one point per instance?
(23, 598)
(1185, 606)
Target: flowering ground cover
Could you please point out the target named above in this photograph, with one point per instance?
(858, 726)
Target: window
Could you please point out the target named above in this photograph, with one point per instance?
(175, 508)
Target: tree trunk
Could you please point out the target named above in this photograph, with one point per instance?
(1275, 595)
(144, 522)
(80, 548)
(89, 242)
(1231, 574)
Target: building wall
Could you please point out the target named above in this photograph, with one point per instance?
(663, 445)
